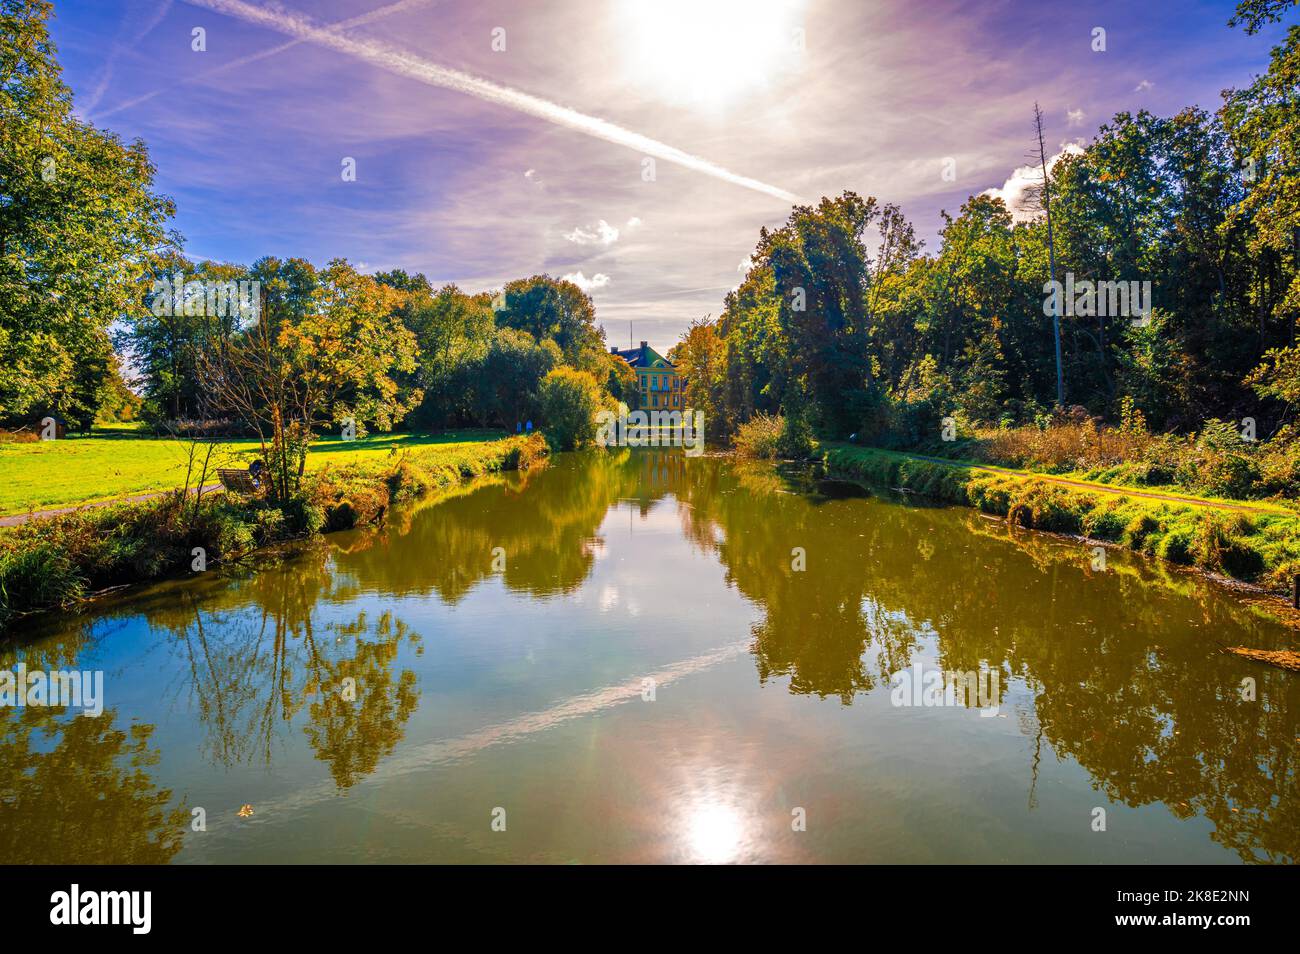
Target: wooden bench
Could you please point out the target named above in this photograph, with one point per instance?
(240, 481)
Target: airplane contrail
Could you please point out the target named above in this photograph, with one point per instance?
(359, 20)
(431, 755)
(414, 67)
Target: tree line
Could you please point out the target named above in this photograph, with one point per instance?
(845, 324)
(93, 284)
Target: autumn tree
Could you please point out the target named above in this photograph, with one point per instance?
(324, 358)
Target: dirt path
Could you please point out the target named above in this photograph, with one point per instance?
(1107, 488)
(15, 519)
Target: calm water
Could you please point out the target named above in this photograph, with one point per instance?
(645, 574)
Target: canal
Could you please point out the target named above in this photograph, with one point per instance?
(634, 656)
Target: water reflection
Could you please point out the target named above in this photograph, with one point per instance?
(259, 658)
(77, 790)
(1124, 670)
(1117, 672)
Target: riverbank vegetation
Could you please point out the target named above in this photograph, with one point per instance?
(53, 563)
(1213, 461)
(1256, 547)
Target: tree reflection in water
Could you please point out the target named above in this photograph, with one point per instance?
(1125, 676)
(76, 789)
(258, 657)
(1117, 671)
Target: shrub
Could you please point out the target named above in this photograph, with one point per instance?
(269, 525)
(1138, 529)
(226, 530)
(569, 401)
(302, 516)
(1220, 543)
(340, 516)
(1106, 522)
(1227, 475)
(760, 437)
(1176, 546)
(795, 440)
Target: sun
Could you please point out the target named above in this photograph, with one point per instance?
(709, 53)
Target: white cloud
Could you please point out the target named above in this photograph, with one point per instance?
(1016, 192)
(633, 222)
(1074, 117)
(599, 280)
(602, 233)
(1143, 86)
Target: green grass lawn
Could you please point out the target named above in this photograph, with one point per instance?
(121, 461)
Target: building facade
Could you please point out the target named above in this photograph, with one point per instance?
(659, 386)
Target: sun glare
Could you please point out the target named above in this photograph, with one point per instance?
(715, 834)
(709, 53)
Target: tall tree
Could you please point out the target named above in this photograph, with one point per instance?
(554, 309)
(79, 226)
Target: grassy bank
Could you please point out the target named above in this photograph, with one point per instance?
(1214, 462)
(122, 461)
(56, 562)
(1261, 548)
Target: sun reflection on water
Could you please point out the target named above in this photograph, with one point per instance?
(715, 834)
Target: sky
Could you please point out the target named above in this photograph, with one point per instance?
(633, 146)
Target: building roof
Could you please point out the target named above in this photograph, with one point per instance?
(644, 357)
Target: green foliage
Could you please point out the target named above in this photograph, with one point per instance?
(51, 563)
(507, 382)
(1262, 548)
(795, 441)
(569, 402)
(701, 358)
(554, 310)
(760, 437)
(1253, 14)
(819, 269)
(453, 331)
(79, 225)
(39, 576)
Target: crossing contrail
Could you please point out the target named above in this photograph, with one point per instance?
(359, 20)
(414, 67)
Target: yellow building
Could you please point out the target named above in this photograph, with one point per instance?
(659, 386)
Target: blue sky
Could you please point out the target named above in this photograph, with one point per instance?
(478, 164)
